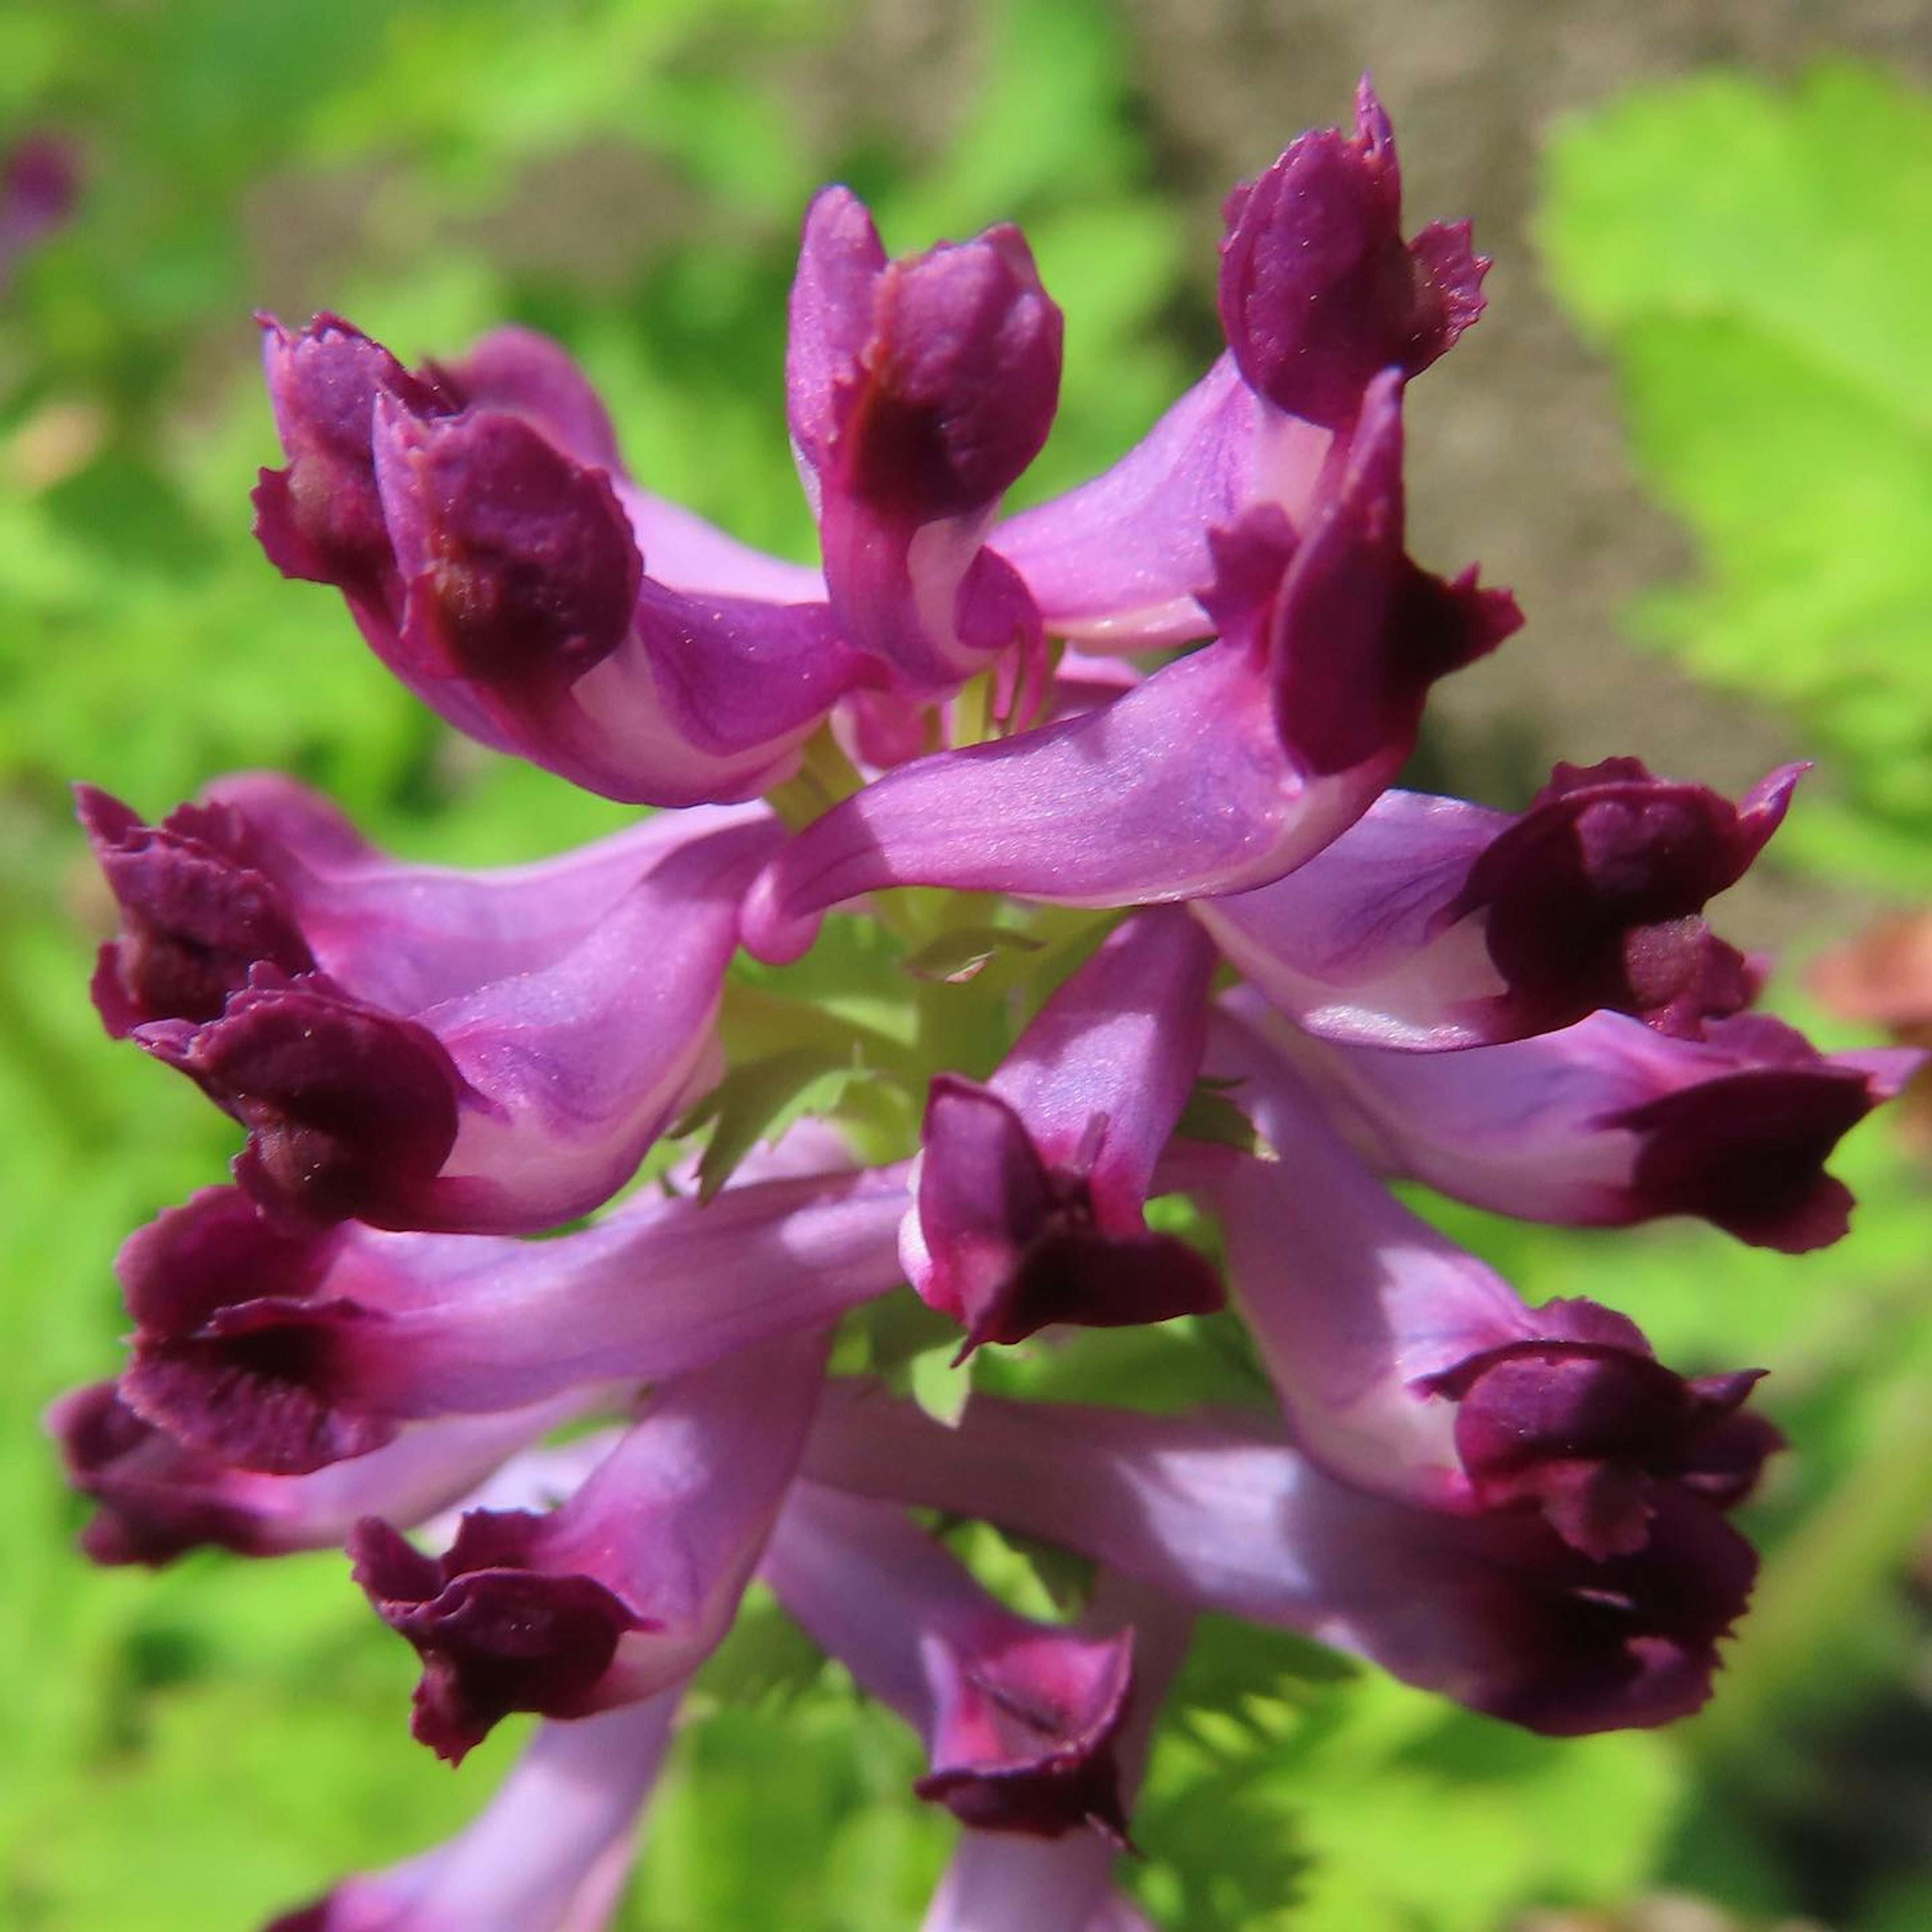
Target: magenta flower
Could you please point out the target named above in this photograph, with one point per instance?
(417, 1049)
(1406, 1367)
(1047, 1108)
(1019, 1719)
(1032, 1189)
(1433, 924)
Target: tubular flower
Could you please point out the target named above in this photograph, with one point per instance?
(1019, 1718)
(511, 1075)
(1029, 1100)
(1032, 1189)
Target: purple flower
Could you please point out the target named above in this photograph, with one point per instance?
(286, 1350)
(1019, 1718)
(1318, 295)
(1319, 291)
(917, 391)
(1031, 1189)
(1433, 924)
(626, 1587)
(490, 563)
(1608, 1122)
(1496, 1611)
(1406, 1367)
(1518, 1507)
(1329, 642)
(159, 1495)
(478, 1053)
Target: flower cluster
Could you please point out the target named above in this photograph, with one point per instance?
(1142, 738)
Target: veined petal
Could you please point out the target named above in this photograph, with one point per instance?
(285, 1352)
(550, 1852)
(1431, 924)
(1608, 1122)
(1494, 1611)
(624, 1588)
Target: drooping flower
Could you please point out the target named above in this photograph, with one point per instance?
(1497, 1611)
(1019, 1718)
(1608, 1122)
(285, 1351)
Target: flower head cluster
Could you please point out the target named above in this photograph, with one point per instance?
(1142, 738)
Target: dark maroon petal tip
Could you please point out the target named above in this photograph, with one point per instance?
(952, 396)
(494, 1637)
(1586, 1430)
(351, 1111)
(1360, 631)
(321, 519)
(1746, 1151)
(1016, 1244)
(1590, 899)
(1078, 1275)
(194, 917)
(1026, 1733)
(215, 1250)
(314, 1918)
(266, 1385)
(1319, 291)
(156, 1499)
(1621, 1644)
(520, 569)
(236, 1350)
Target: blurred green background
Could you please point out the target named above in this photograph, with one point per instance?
(1695, 431)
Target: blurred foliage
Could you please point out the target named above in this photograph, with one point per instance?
(1759, 264)
(1756, 262)
(196, 1748)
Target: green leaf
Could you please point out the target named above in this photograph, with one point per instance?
(1757, 263)
(1211, 1116)
(941, 1384)
(758, 1101)
(957, 956)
